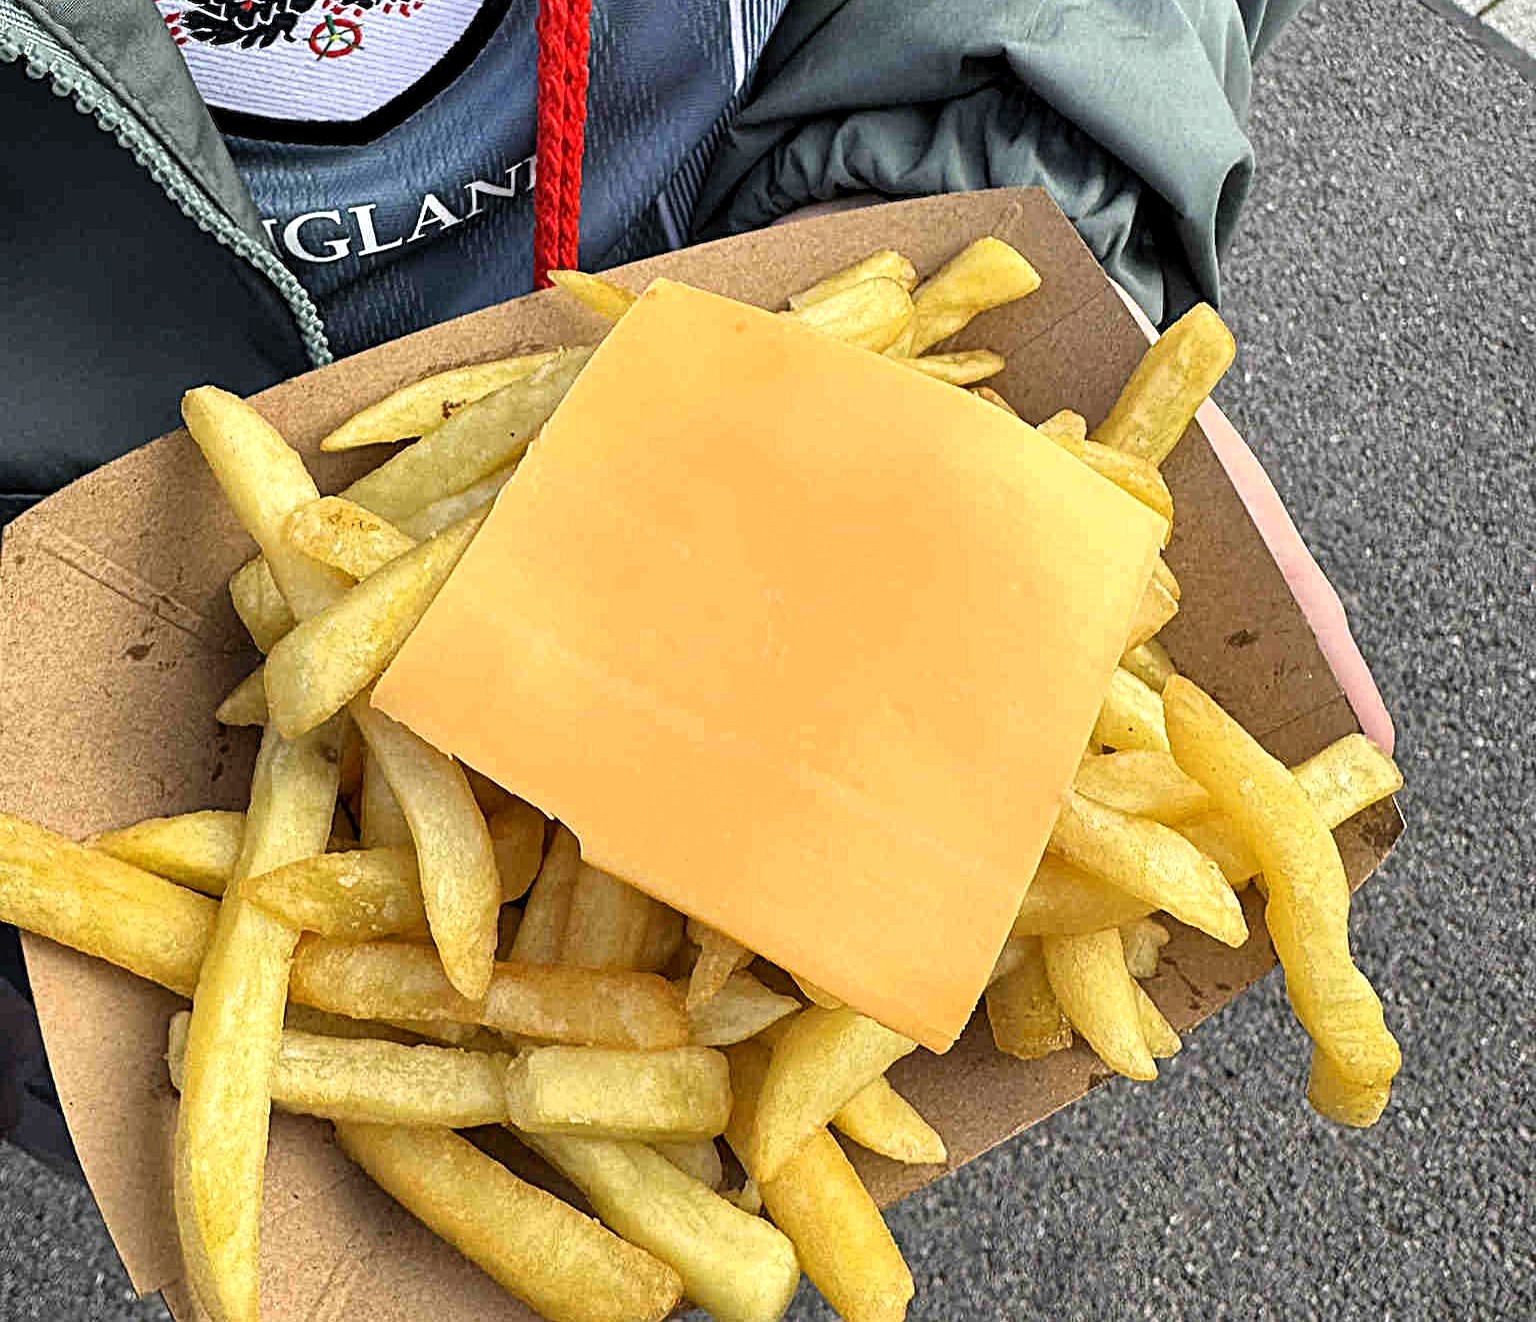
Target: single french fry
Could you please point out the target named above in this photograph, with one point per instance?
(958, 369)
(345, 536)
(1063, 899)
(236, 1028)
(879, 1118)
(870, 315)
(1161, 573)
(719, 957)
(90, 901)
(985, 274)
(455, 507)
(1142, 783)
(1143, 939)
(593, 292)
(1150, 861)
(329, 658)
(886, 264)
(375, 1080)
(482, 438)
(742, 1008)
(1161, 1039)
(823, 1058)
(460, 885)
(1088, 976)
(1156, 607)
(1132, 715)
(1066, 428)
(425, 405)
(560, 1263)
(517, 840)
(1337, 1097)
(749, 1197)
(608, 923)
(1150, 663)
(992, 397)
(259, 604)
(247, 701)
(818, 1200)
(491, 797)
(197, 849)
(736, 1266)
(596, 1092)
(1169, 384)
(1308, 909)
(264, 480)
(1026, 1020)
(549, 901)
(698, 1157)
(359, 895)
(1133, 475)
(401, 980)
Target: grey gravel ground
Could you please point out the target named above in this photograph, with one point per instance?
(1383, 293)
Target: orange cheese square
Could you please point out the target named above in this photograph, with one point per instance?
(795, 639)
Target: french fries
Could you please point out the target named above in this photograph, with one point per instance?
(985, 274)
(1066, 428)
(460, 885)
(992, 397)
(958, 369)
(425, 405)
(1142, 783)
(719, 957)
(1156, 608)
(816, 995)
(1156, 1031)
(247, 702)
(330, 657)
(742, 1008)
(236, 1028)
(1169, 384)
(198, 849)
(1337, 1097)
(1150, 861)
(608, 300)
(543, 1251)
(382, 823)
(871, 314)
(879, 1118)
(823, 1058)
(260, 605)
(448, 510)
(1026, 1019)
(608, 923)
(549, 902)
(1308, 909)
(517, 840)
(818, 1200)
(1087, 973)
(1132, 715)
(885, 264)
(736, 1266)
(1132, 474)
(91, 901)
(378, 1081)
(479, 440)
(663, 939)
(591, 1092)
(582, 1007)
(1063, 899)
(344, 536)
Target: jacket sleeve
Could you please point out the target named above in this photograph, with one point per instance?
(1132, 116)
(112, 301)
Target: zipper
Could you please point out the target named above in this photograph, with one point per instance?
(21, 42)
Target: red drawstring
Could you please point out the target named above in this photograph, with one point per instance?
(564, 33)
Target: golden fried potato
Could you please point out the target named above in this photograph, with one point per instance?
(517, 840)
(1161, 1040)
(1026, 1020)
(593, 292)
(985, 274)
(742, 1008)
(549, 901)
(197, 849)
(559, 1262)
(886, 264)
(345, 536)
(698, 1157)
(608, 924)
(1132, 715)
(958, 369)
(719, 957)
(1150, 663)
(869, 315)
(1063, 899)
(1087, 973)
(1142, 783)
(259, 604)
(879, 1118)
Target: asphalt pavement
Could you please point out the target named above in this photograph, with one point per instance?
(1383, 294)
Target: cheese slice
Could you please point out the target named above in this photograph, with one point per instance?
(796, 640)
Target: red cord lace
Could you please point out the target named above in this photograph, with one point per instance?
(563, 30)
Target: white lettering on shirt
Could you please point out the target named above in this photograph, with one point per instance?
(433, 212)
(371, 244)
(336, 249)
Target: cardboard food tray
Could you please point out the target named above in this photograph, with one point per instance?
(117, 641)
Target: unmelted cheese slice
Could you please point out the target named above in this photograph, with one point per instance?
(795, 639)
